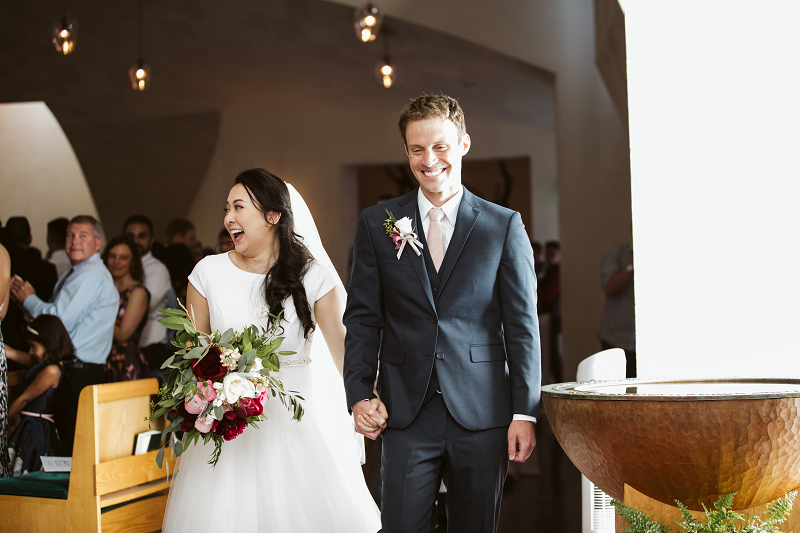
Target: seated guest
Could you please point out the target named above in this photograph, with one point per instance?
(26, 264)
(224, 242)
(36, 433)
(86, 301)
(56, 242)
(157, 282)
(125, 361)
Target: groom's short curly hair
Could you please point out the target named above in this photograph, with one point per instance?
(432, 106)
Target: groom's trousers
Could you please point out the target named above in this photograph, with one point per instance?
(433, 447)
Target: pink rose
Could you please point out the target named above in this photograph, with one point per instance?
(195, 405)
(207, 390)
(203, 424)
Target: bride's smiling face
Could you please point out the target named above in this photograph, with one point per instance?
(244, 221)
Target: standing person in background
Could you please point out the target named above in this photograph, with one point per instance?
(125, 361)
(618, 328)
(86, 301)
(538, 262)
(157, 282)
(224, 242)
(5, 278)
(26, 264)
(182, 231)
(56, 242)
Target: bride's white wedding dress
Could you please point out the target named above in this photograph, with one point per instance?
(286, 476)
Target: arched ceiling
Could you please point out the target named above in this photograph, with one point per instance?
(146, 151)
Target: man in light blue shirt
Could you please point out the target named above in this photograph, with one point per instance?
(87, 302)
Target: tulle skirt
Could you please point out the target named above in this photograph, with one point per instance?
(285, 476)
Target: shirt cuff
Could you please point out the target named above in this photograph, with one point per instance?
(525, 418)
(30, 304)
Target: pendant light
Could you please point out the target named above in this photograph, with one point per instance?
(65, 32)
(385, 69)
(367, 22)
(139, 73)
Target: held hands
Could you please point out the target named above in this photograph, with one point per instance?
(370, 417)
(21, 289)
(521, 440)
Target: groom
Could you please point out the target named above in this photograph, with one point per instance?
(454, 331)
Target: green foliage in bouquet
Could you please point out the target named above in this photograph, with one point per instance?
(253, 348)
(719, 520)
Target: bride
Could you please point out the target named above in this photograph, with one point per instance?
(286, 476)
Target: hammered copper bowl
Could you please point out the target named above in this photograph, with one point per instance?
(687, 440)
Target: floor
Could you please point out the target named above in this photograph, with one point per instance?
(546, 502)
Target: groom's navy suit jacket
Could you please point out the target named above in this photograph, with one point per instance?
(478, 325)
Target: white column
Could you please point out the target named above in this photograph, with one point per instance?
(714, 96)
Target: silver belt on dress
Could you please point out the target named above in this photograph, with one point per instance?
(295, 362)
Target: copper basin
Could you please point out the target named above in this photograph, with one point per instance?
(687, 440)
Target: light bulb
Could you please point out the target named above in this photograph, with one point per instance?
(386, 70)
(387, 81)
(367, 21)
(140, 75)
(64, 35)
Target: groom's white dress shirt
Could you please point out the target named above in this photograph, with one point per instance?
(450, 209)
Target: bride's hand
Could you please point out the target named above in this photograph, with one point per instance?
(370, 418)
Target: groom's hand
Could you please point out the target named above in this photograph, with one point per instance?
(370, 417)
(521, 440)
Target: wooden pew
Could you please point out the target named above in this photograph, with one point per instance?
(104, 473)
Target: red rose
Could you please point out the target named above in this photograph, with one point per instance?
(209, 367)
(247, 407)
(230, 426)
(187, 424)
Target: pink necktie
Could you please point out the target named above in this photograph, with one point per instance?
(435, 237)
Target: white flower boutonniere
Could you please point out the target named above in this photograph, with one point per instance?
(401, 233)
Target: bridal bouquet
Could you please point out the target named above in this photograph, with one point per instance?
(218, 384)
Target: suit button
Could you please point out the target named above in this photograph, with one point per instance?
(440, 356)
(433, 320)
(436, 289)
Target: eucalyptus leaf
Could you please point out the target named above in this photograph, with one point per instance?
(178, 448)
(203, 341)
(219, 413)
(226, 337)
(174, 322)
(286, 352)
(173, 312)
(195, 353)
(168, 362)
(160, 457)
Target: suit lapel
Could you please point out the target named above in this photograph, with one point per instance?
(467, 216)
(408, 208)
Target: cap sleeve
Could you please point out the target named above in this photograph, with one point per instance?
(199, 276)
(319, 281)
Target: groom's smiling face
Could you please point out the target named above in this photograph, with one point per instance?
(434, 155)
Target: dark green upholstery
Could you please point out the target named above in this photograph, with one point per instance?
(37, 484)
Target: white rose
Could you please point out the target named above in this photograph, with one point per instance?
(404, 225)
(237, 385)
(256, 367)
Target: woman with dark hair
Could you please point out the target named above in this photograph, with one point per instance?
(36, 433)
(288, 476)
(126, 361)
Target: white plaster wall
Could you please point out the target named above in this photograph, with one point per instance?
(315, 150)
(40, 177)
(714, 109)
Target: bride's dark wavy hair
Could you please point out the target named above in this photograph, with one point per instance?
(269, 193)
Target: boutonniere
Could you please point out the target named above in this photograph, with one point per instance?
(401, 233)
